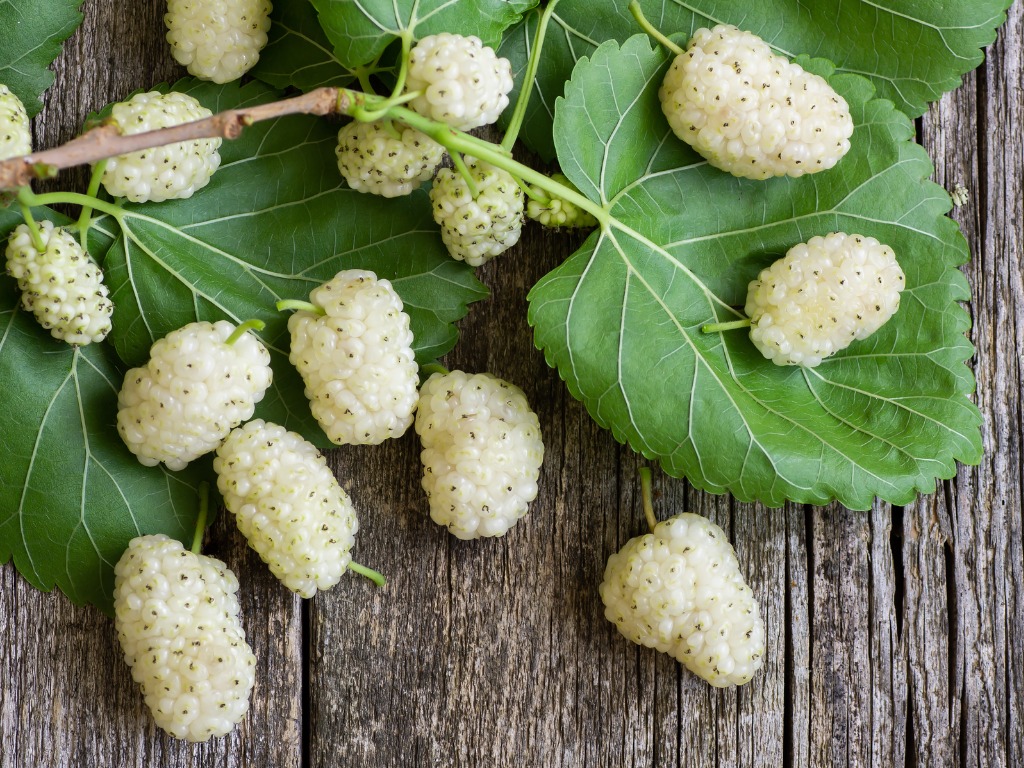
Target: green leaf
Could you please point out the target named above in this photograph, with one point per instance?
(275, 222)
(621, 318)
(298, 53)
(71, 494)
(912, 51)
(362, 29)
(31, 35)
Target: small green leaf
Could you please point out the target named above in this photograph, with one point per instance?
(31, 35)
(71, 494)
(912, 51)
(275, 222)
(298, 53)
(362, 29)
(621, 319)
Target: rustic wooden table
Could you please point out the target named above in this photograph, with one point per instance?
(894, 636)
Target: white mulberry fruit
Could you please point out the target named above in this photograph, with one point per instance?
(679, 590)
(386, 159)
(482, 452)
(822, 296)
(477, 230)
(218, 40)
(356, 359)
(557, 212)
(60, 285)
(176, 615)
(170, 172)
(288, 505)
(194, 390)
(15, 133)
(462, 82)
(752, 112)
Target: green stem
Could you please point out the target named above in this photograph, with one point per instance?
(645, 494)
(460, 166)
(650, 29)
(30, 222)
(369, 573)
(526, 86)
(732, 325)
(285, 304)
(244, 328)
(457, 141)
(85, 219)
(72, 198)
(204, 508)
(403, 68)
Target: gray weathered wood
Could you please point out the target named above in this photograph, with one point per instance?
(893, 635)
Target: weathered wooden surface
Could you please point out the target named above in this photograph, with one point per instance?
(893, 636)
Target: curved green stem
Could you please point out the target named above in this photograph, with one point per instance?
(463, 169)
(369, 573)
(204, 509)
(30, 222)
(526, 86)
(73, 198)
(298, 304)
(85, 218)
(457, 141)
(732, 325)
(403, 67)
(244, 328)
(645, 494)
(650, 29)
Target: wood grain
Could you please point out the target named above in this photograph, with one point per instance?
(893, 635)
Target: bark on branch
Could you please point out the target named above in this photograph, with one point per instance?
(106, 140)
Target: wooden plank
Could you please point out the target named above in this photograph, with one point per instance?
(67, 697)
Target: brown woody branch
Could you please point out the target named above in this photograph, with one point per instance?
(106, 140)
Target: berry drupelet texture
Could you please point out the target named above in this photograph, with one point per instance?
(482, 452)
(679, 590)
(288, 505)
(176, 615)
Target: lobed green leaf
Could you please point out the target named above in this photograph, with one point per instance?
(912, 52)
(621, 319)
(31, 35)
(362, 29)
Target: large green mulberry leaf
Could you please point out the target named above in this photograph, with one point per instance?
(275, 221)
(297, 53)
(362, 29)
(71, 494)
(912, 51)
(621, 318)
(31, 35)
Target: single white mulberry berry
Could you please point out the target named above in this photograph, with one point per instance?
(176, 615)
(15, 134)
(60, 285)
(356, 359)
(218, 40)
(482, 452)
(462, 81)
(822, 296)
(679, 590)
(288, 505)
(477, 230)
(385, 158)
(752, 112)
(557, 212)
(171, 172)
(199, 384)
